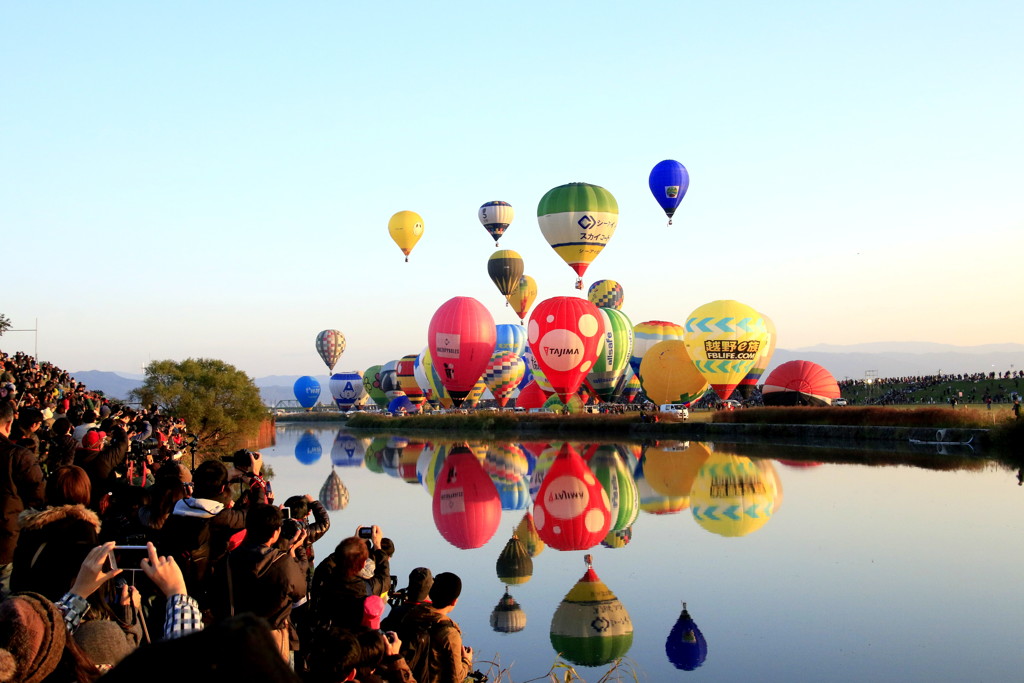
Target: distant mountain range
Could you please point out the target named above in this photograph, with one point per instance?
(886, 359)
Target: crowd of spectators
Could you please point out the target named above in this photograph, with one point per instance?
(118, 560)
(939, 388)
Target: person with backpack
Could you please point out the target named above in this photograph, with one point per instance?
(201, 526)
(339, 585)
(431, 640)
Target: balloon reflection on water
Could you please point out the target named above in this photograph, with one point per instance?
(611, 470)
(348, 450)
(308, 449)
(685, 645)
(734, 495)
(591, 627)
(466, 506)
(572, 511)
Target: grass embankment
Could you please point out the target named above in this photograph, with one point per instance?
(934, 391)
(874, 416)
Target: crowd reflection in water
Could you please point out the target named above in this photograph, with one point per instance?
(574, 496)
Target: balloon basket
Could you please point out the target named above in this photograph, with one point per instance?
(579, 283)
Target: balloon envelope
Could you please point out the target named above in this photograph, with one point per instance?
(505, 268)
(564, 334)
(307, 391)
(668, 375)
(523, 297)
(334, 494)
(572, 510)
(606, 294)
(647, 334)
(577, 220)
(347, 389)
(764, 357)
(461, 340)
(734, 495)
(685, 645)
(330, 344)
(502, 375)
(308, 449)
(613, 354)
(668, 182)
(496, 217)
(466, 506)
(373, 387)
(724, 338)
(591, 627)
(800, 382)
(510, 337)
(406, 228)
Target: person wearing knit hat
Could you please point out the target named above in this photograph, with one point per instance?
(103, 642)
(32, 638)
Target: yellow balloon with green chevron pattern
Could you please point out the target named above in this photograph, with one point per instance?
(724, 338)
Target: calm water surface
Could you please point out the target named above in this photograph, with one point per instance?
(839, 572)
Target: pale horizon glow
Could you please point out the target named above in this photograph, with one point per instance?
(215, 181)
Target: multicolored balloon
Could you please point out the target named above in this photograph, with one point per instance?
(389, 380)
(524, 296)
(307, 391)
(330, 344)
(371, 382)
(406, 229)
(334, 494)
(649, 333)
(496, 217)
(510, 338)
(616, 479)
(613, 354)
(764, 357)
(502, 375)
(606, 294)
(669, 181)
(724, 339)
(407, 379)
(347, 389)
(564, 334)
(437, 393)
(668, 375)
(591, 627)
(505, 268)
(508, 616)
(577, 220)
(461, 340)
(734, 495)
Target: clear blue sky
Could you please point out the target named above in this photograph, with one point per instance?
(215, 179)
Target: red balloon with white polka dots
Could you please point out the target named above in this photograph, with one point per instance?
(565, 335)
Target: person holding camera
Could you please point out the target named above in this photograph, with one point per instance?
(99, 458)
(247, 465)
(339, 589)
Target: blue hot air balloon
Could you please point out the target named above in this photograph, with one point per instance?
(307, 391)
(668, 182)
(402, 404)
(510, 338)
(308, 449)
(685, 646)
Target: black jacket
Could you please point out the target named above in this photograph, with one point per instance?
(260, 580)
(337, 599)
(21, 486)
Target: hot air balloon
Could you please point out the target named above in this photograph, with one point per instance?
(577, 220)
(528, 536)
(572, 511)
(508, 616)
(616, 479)
(514, 565)
(613, 354)
(685, 646)
(429, 464)
(564, 334)
(406, 229)
(606, 294)
(764, 357)
(437, 393)
(647, 334)
(330, 344)
(389, 380)
(653, 502)
(510, 338)
(734, 495)
(502, 375)
(668, 375)
(800, 382)
(308, 449)
(333, 493)
(402, 404)
(618, 539)
(406, 373)
(505, 268)
(372, 384)
(461, 339)
(496, 217)
(373, 454)
(466, 506)
(670, 468)
(668, 182)
(523, 296)
(723, 338)
(591, 627)
(348, 450)
(631, 387)
(530, 358)
(307, 391)
(531, 396)
(475, 394)
(347, 389)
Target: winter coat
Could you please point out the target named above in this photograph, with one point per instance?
(450, 663)
(264, 581)
(100, 464)
(337, 599)
(21, 486)
(62, 452)
(51, 547)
